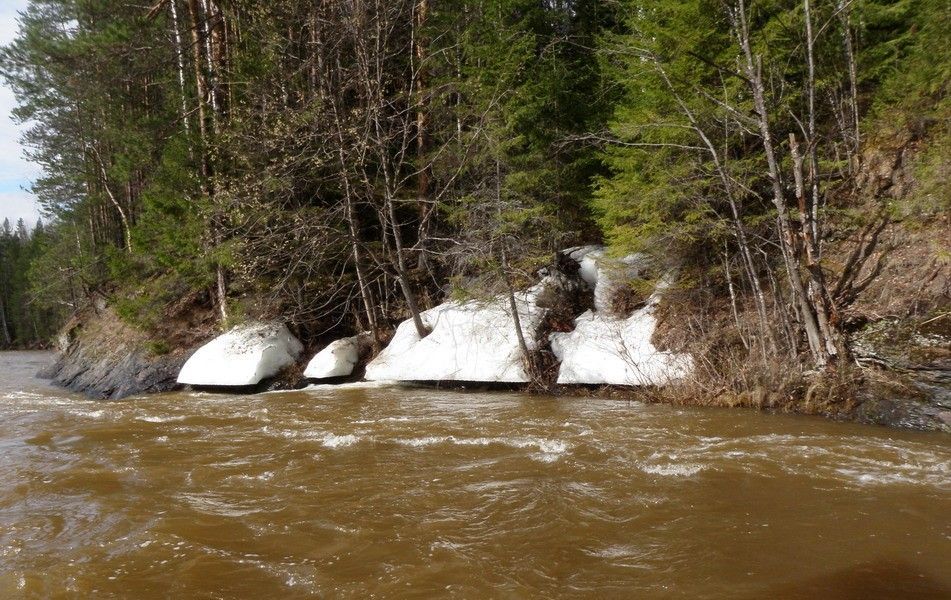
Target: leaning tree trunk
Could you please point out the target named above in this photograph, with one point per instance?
(402, 272)
(818, 343)
(509, 288)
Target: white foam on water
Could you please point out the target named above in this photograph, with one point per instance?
(265, 476)
(547, 457)
(89, 414)
(326, 438)
(212, 504)
(615, 551)
(332, 440)
(445, 545)
(673, 469)
(383, 420)
(885, 473)
(354, 385)
(157, 419)
(425, 441)
(547, 447)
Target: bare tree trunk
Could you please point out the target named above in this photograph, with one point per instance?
(509, 289)
(818, 292)
(738, 228)
(786, 233)
(422, 118)
(354, 231)
(844, 10)
(812, 210)
(314, 50)
(8, 341)
(104, 181)
(358, 263)
(199, 12)
(199, 84)
(179, 55)
(402, 273)
(736, 313)
(205, 22)
(516, 319)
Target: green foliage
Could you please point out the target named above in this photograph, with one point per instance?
(906, 65)
(932, 170)
(29, 317)
(158, 347)
(673, 64)
(261, 151)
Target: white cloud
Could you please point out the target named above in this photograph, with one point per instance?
(18, 205)
(15, 171)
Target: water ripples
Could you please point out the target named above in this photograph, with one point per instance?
(383, 491)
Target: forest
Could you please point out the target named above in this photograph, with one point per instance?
(346, 164)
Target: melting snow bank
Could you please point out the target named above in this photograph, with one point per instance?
(336, 360)
(477, 341)
(244, 356)
(608, 349)
(469, 341)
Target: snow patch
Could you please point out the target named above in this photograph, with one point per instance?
(336, 360)
(468, 341)
(243, 356)
(605, 275)
(607, 349)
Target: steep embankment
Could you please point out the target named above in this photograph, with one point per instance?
(899, 318)
(887, 256)
(104, 357)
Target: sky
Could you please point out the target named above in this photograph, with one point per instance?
(15, 172)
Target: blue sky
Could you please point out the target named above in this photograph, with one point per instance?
(15, 172)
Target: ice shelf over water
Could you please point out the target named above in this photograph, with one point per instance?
(246, 355)
(469, 341)
(336, 360)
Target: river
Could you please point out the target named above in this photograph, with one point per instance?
(386, 492)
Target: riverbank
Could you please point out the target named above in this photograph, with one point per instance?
(103, 358)
(591, 325)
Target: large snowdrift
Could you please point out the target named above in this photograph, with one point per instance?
(608, 349)
(469, 341)
(243, 356)
(336, 360)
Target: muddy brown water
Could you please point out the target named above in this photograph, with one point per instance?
(391, 492)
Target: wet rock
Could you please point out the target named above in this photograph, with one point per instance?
(916, 354)
(102, 358)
